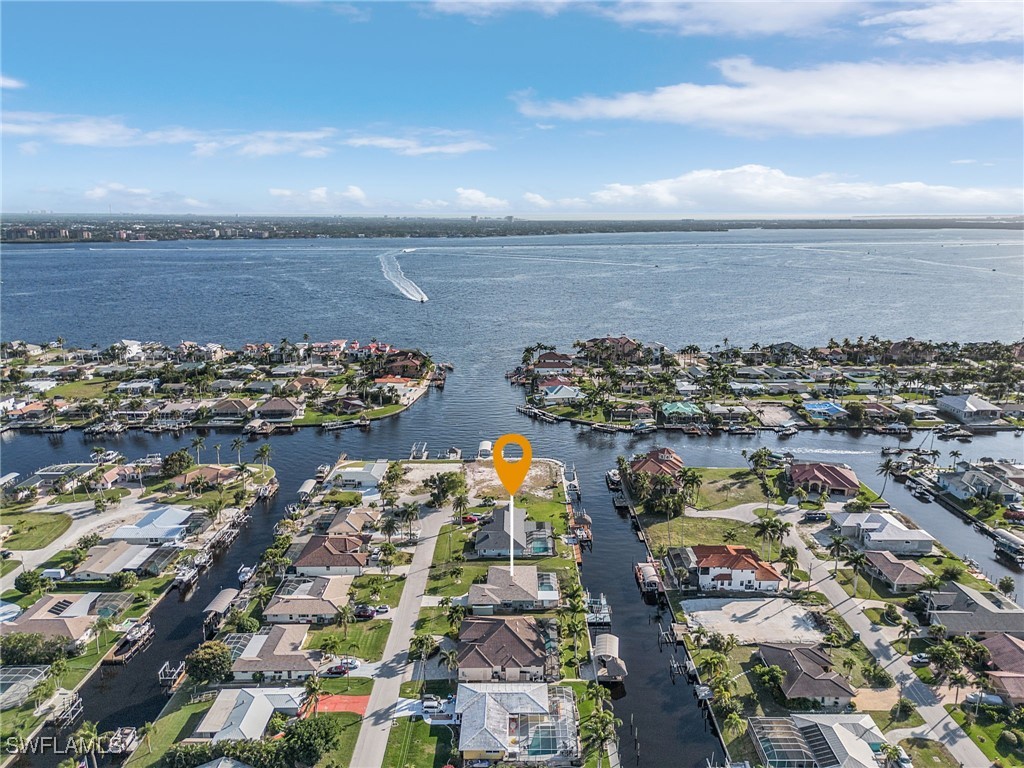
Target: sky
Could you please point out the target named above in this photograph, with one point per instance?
(533, 109)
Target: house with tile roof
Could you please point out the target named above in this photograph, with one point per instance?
(1006, 667)
(504, 649)
(963, 610)
(307, 600)
(809, 673)
(816, 477)
(277, 654)
(508, 591)
(732, 568)
(658, 461)
(528, 538)
(898, 575)
(331, 556)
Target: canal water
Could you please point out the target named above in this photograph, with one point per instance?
(665, 714)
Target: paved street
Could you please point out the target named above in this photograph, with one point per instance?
(938, 724)
(395, 666)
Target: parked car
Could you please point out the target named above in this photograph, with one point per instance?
(365, 612)
(382, 609)
(1015, 507)
(920, 658)
(986, 698)
(903, 761)
(6, 554)
(468, 519)
(347, 665)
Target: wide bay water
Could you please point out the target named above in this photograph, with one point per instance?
(487, 300)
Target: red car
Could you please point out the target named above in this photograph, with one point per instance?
(468, 519)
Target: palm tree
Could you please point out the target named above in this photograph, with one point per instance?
(450, 659)
(237, 445)
(100, 627)
(314, 689)
(87, 740)
(714, 664)
(332, 645)
(460, 504)
(958, 680)
(907, 630)
(263, 454)
(456, 613)
(345, 616)
(216, 448)
(409, 513)
(389, 526)
(885, 470)
(764, 527)
(955, 456)
(198, 443)
(146, 732)
(575, 627)
(780, 529)
(891, 753)
(422, 647)
(58, 668)
(790, 561)
(836, 547)
(598, 694)
(262, 595)
(603, 729)
(856, 560)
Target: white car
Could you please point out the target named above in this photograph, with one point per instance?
(920, 658)
(986, 698)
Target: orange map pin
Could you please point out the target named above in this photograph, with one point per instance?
(512, 473)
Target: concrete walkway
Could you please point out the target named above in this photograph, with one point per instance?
(395, 667)
(938, 723)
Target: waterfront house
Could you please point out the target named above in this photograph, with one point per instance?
(969, 409)
(561, 395)
(56, 478)
(280, 409)
(1005, 669)
(360, 522)
(658, 461)
(882, 531)
(614, 348)
(174, 413)
(825, 410)
(305, 600)
(209, 475)
(105, 560)
(552, 363)
(121, 473)
(879, 412)
(522, 723)
(70, 616)
(164, 525)
(508, 591)
(405, 363)
(356, 475)
(243, 713)
(978, 482)
(331, 556)
(529, 538)
(727, 414)
(963, 610)
(898, 575)
(809, 673)
(513, 649)
(235, 409)
(137, 387)
(306, 384)
(276, 652)
(227, 385)
(817, 477)
(716, 567)
(816, 741)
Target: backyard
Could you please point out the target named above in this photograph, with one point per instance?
(366, 639)
(414, 742)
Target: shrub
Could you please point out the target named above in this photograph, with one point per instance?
(1009, 738)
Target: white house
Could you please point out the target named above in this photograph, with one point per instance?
(882, 531)
(161, 526)
(277, 655)
(243, 713)
(359, 474)
(561, 395)
(736, 569)
(968, 409)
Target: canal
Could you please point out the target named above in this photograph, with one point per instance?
(665, 715)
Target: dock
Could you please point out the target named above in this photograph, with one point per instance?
(419, 452)
(334, 426)
(170, 677)
(135, 640)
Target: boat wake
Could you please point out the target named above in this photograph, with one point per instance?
(393, 272)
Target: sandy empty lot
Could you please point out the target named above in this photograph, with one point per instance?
(754, 620)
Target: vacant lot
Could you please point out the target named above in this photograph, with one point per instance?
(34, 530)
(755, 620)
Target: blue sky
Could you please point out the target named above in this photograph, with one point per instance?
(534, 109)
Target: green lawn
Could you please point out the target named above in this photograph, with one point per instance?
(413, 742)
(433, 621)
(9, 565)
(938, 563)
(366, 639)
(34, 530)
(412, 689)
(725, 487)
(926, 752)
(81, 390)
(348, 724)
(696, 530)
(79, 494)
(350, 686)
(344, 498)
(885, 721)
(389, 594)
(985, 733)
(177, 722)
(867, 590)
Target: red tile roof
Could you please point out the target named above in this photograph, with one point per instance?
(658, 461)
(735, 559)
(833, 475)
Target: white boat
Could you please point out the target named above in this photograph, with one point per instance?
(613, 480)
(245, 572)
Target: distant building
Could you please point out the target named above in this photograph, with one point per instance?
(658, 461)
(882, 531)
(969, 409)
(331, 556)
(240, 714)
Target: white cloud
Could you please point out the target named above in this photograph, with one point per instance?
(10, 82)
(852, 99)
(320, 197)
(476, 199)
(29, 147)
(481, 10)
(959, 21)
(414, 147)
(269, 143)
(963, 162)
(563, 204)
(761, 189)
(738, 18)
(431, 205)
(139, 199)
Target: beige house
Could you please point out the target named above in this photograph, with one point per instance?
(508, 591)
(303, 600)
(493, 649)
(278, 655)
